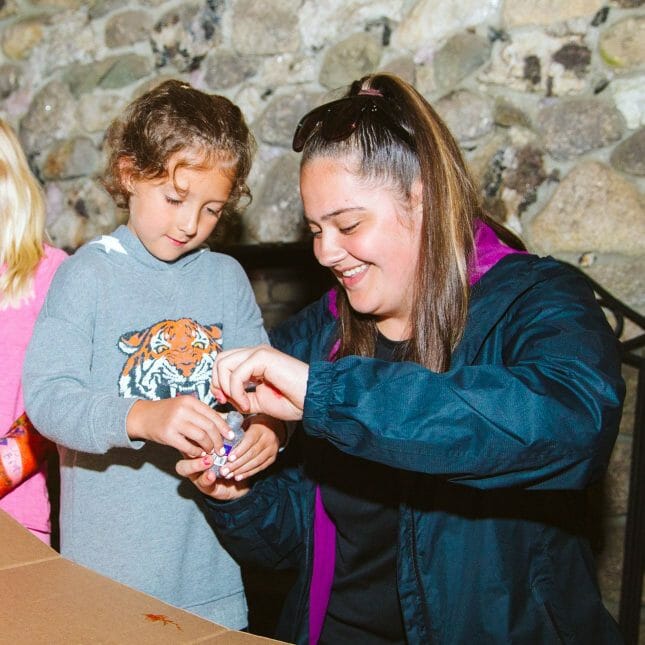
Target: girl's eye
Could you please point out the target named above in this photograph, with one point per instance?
(216, 212)
(173, 201)
(314, 233)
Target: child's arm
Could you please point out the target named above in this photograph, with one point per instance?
(22, 451)
(183, 422)
(263, 438)
(59, 393)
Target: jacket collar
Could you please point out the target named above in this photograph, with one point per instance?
(491, 297)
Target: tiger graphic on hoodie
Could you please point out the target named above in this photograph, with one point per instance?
(170, 358)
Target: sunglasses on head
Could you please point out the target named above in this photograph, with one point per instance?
(339, 119)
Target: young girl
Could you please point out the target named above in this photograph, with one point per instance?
(27, 265)
(119, 368)
(456, 393)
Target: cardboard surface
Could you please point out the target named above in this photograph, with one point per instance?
(19, 547)
(50, 600)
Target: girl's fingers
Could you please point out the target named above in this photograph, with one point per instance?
(207, 481)
(197, 438)
(191, 467)
(185, 445)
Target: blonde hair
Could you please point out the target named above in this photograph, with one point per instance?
(22, 221)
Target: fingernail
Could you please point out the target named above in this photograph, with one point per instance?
(231, 435)
(222, 451)
(239, 478)
(224, 471)
(203, 454)
(232, 457)
(230, 475)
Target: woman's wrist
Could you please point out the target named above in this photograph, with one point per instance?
(279, 427)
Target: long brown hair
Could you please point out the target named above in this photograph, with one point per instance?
(450, 203)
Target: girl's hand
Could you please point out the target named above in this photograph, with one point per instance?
(184, 422)
(279, 381)
(197, 470)
(258, 450)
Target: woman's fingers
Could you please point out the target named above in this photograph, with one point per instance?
(280, 381)
(237, 369)
(226, 362)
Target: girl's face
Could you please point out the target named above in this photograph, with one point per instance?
(367, 237)
(176, 214)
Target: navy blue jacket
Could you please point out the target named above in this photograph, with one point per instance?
(493, 455)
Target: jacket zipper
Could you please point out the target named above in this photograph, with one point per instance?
(304, 598)
(417, 575)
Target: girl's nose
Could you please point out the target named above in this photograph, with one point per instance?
(188, 223)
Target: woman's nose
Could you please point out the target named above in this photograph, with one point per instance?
(327, 250)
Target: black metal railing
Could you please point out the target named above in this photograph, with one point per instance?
(634, 543)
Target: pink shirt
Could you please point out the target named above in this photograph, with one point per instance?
(29, 502)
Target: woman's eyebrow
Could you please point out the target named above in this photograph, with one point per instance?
(339, 211)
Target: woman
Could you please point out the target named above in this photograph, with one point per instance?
(457, 395)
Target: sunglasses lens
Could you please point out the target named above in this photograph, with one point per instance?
(305, 127)
(338, 119)
(343, 121)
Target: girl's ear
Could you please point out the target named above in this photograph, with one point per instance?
(126, 172)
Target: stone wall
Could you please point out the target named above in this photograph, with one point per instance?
(546, 98)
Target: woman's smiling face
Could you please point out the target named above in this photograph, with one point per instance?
(368, 236)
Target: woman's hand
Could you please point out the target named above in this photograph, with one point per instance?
(198, 471)
(261, 379)
(258, 450)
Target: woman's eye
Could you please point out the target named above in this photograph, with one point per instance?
(346, 230)
(314, 233)
(173, 201)
(216, 212)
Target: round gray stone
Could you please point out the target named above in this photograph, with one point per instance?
(349, 60)
(629, 155)
(572, 127)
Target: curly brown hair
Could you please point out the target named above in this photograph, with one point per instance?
(171, 118)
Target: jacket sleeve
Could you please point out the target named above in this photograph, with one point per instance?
(540, 409)
(266, 526)
(58, 395)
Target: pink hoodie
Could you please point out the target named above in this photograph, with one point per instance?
(29, 502)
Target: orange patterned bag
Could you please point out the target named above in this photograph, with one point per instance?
(22, 451)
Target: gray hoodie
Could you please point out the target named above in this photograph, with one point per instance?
(119, 325)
